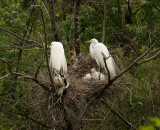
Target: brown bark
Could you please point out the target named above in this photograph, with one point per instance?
(104, 21)
(76, 23)
(49, 4)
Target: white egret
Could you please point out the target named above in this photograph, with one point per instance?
(57, 58)
(87, 76)
(95, 74)
(96, 50)
(91, 50)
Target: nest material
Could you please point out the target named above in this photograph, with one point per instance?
(73, 103)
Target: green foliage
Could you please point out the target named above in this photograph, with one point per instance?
(144, 98)
(155, 124)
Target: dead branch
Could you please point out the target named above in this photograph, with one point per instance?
(19, 37)
(34, 120)
(33, 79)
(5, 76)
(9, 67)
(38, 69)
(149, 59)
(24, 76)
(118, 114)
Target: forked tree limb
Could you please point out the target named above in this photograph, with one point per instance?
(24, 76)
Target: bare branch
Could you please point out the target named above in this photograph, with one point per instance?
(38, 69)
(29, 77)
(19, 37)
(25, 76)
(5, 76)
(9, 67)
(119, 115)
(34, 120)
(149, 59)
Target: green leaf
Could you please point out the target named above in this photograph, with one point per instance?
(156, 120)
(150, 127)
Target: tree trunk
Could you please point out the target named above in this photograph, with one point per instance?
(53, 22)
(76, 24)
(119, 13)
(104, 21)
(49, 6)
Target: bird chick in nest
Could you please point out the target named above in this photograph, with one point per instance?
(95, 74)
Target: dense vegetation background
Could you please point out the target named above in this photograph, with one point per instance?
(128, 28)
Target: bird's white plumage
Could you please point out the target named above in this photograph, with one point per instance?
(87, 76)
(91, 50)
(57, 57)
(98, 48)
(95, 74)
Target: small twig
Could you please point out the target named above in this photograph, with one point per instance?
(38, 69)
(9, 67)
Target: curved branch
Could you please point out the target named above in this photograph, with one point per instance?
(149, 59)
(9, 67)
(5, 76)
(19, 37)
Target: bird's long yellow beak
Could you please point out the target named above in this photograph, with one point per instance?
(88, 41)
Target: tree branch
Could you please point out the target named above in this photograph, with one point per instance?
(19, 37)
(38, 69)
(34, 120)
(9, 67)
(119, 115)
(46, 53)
(5, 76)
(149, 59)
(25, 76)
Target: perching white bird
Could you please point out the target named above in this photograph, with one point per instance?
(87, 76)
(91, 50)
(57, 58)
(95, 74)
(96, 50)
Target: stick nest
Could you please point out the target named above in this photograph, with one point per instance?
(73, 104)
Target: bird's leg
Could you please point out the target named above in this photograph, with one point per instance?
(100, 72)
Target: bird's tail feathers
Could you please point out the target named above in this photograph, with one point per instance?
(111, 67)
